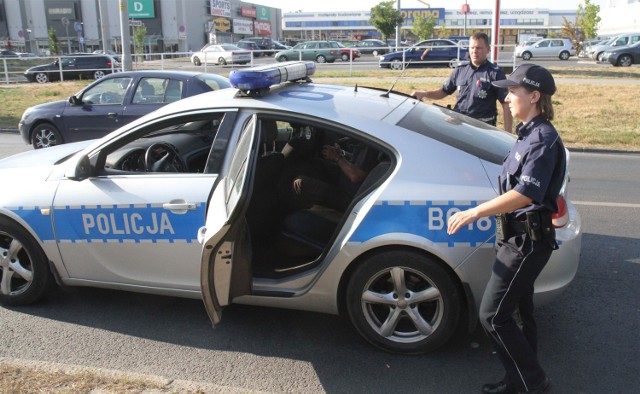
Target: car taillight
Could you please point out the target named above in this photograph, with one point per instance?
(108, 64)
(561, 218)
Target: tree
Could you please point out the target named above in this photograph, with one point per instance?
(586, 25)
(423, 27)
(589, 19)
(54, 46)
(442, 31)
(138, 38)
(385, 19)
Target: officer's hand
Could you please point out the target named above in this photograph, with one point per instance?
(331, 153)
(461, 219)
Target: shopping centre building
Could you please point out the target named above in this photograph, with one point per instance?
(186, 25)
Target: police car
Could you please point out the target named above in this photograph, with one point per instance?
(188, 201)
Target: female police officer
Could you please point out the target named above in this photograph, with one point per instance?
(532, 176)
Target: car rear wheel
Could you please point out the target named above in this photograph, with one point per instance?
(526, 55)
(321, 59)
(24, 270)
(98, 74)
(625, 61)
(196, 61)
(396, 64)
(403, 302)
(564, 55)
(375, 52)
(45, 135)
(344, 57)
(222, 61)
(41, 78)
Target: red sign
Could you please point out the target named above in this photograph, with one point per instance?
(249, 12)
(261, 28)
(465, 9)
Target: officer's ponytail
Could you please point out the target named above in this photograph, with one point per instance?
(545, 106)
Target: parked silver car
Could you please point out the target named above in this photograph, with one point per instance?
(620, 41)
(549, 47)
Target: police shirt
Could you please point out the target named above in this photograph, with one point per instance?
(476, 95)
(535, 166)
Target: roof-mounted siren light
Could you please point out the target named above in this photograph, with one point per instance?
(257, 80)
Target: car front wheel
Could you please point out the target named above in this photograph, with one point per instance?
(45, 135)
(344, 57)
(526, 56)
(564, 55)
(24, 271)
(625, 61)
(41, 78)
(375, 52)
(321, 59)
(283, 58)
(222, 61)
(98, 74)
(599, 57)
(403, 302)
(396, 64)
(196, 61)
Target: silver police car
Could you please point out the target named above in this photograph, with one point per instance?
(194, 200)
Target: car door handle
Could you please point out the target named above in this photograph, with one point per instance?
(111, 114)
(179, 206)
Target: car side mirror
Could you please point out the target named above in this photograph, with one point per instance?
(81, 170)
(73, 100)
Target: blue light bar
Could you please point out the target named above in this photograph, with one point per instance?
(263, 77)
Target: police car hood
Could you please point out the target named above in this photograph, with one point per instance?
(39, 163)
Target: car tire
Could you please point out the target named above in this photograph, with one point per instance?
(283, 58)
(41, 77)
(196, 61)
(396, 64)
(375, 52)
(45, 135)
(403, 287)
(24, 267)
(321, 59)
(98, 74)
(599, 57)
(344, 57)
(526, 55)
(564, 55)
(625, 61)
(222, 61)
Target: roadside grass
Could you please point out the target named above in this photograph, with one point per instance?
(588, 115)
(23, 379)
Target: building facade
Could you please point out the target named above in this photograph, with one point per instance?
(619, 16)
(171, 25)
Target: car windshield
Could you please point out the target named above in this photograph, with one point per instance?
(461, 132)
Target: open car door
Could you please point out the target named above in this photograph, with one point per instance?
(226, 258)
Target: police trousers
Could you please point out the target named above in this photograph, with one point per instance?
(519, 261)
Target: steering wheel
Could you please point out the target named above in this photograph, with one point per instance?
(109, 98)
(163, 157)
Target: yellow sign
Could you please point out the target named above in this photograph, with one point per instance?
(222, 24)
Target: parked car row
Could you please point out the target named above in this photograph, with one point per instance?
(319, 51)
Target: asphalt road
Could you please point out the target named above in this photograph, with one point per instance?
(588, 337)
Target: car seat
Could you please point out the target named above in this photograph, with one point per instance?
(173, 91)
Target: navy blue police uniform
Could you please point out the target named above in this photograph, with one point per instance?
(476, 95)
(535, 167)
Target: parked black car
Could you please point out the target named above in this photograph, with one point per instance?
(8, 53)
(77, 66)
(250, 46)
(265, 43)
(110, 103)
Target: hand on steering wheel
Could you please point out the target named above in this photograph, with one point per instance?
(163, 157)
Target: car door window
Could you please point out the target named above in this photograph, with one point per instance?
(557, 43)
(543, 44)
(150, 91)
(172, 90)
(109, 91)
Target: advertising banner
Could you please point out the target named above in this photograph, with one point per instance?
(262, 28)
(222, 24)
(248, 12)
(264, 13)
(242, 26)
(220, 8)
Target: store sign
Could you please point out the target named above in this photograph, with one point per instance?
(409, 14)
(264, 13)
(141, 9)
(222, 24)
(262, 28)
(249, 12)
(242, 26)
(220, 8)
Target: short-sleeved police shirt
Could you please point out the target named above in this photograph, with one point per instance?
(535, 166)
(476, 95)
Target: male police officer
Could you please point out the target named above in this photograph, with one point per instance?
(476, 95)
(532, 176)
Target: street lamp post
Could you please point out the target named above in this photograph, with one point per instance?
(65, 23)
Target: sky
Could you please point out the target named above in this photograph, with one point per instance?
(362, 5)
